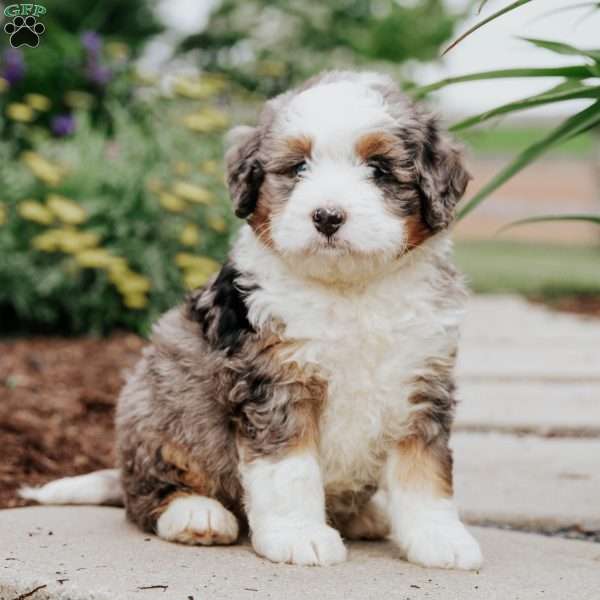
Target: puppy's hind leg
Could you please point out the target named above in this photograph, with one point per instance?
(169, 493)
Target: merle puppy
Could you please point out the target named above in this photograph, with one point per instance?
(307, 390)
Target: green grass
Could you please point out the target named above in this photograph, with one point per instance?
(537, 270)
(507, 140)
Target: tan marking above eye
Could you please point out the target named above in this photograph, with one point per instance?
(373, 144)
(287, 153)
(300, 146)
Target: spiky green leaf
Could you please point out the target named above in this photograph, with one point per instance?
(561, 93)
(586, 218)
(570, 72)
(564, 49)
(492, 17)
(576, 124)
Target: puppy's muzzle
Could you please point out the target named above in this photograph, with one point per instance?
(328, 220)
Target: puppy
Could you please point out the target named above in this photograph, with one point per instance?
(307, 390)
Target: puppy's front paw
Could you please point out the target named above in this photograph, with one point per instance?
(197, 520)
(302, 544)
(446, 545)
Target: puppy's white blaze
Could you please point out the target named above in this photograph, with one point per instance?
(325, 112)
(197, 519)
(428, 529)
(285, 504)
(101, 487)
(369, 227)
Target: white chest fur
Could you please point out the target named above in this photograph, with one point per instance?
(370, 345)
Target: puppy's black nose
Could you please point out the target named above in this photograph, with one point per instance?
(328, 220)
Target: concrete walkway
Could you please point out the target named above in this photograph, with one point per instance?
(90, 552)
(527, 455)
(527, 440)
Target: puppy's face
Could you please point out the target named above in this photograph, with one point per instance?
(344, 176)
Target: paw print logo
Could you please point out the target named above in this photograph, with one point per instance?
(24, 32)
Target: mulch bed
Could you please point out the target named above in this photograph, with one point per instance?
(587, 306)
(57, 399)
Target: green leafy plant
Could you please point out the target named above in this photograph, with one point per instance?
(85, 60)
(580, 81)
(102, 229)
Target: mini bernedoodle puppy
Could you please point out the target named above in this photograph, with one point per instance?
(307, 390)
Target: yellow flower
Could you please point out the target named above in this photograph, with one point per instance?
(46, 242)
(198, 88)
(79, 100)
(171, 202)
(118, 51)
(78, 241)
(99, 258)
(133, 283)
(38, 102)
(182, 167)
(195, 279)
(66, 240)
(36, 212)
(271, 68)
(17, 111)
(43, 169)
(197, 269)
(217, 223)
(193, 193)
(135, 300)
(66, 210)
(206, 120)
(3, 85)
(3, 214)
(190, 236)
(211, 167)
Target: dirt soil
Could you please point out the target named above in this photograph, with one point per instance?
(57, 399)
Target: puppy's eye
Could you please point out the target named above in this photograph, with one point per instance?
(299, 169)
(380, 170)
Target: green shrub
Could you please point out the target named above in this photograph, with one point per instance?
(85, 58)
(101, 231)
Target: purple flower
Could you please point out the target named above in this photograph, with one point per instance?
(14, 66)
(62, 125)
(92, 42)
(97, 73)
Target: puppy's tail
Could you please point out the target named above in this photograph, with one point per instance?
(100, 487)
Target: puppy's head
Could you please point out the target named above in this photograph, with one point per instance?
(344, 175)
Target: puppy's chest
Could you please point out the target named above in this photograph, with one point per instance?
(368, 382)
(369, 350)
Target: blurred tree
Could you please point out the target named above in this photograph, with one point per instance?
(266, 45)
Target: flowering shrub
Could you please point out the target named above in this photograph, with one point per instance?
(101, 230)
(96, 77)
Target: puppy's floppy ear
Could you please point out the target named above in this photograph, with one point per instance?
(244, 171)
(442, 178)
